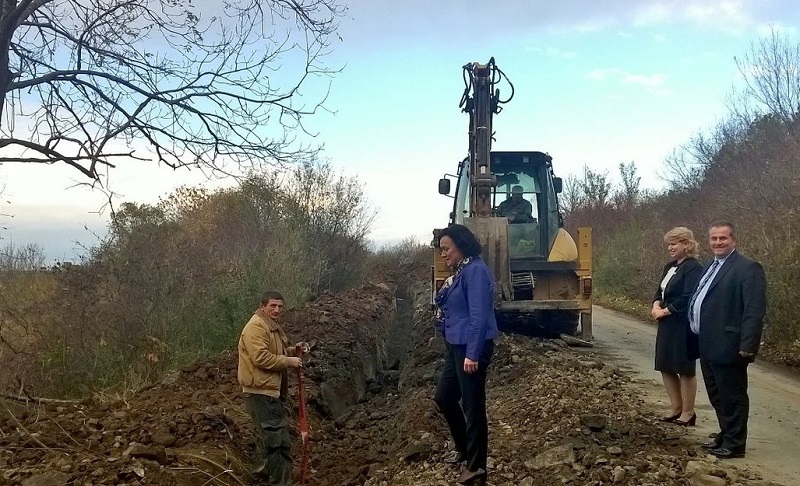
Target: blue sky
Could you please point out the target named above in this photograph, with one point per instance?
(597, 83)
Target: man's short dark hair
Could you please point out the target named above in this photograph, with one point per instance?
(724, 224)
(463, 238)
(271, 295)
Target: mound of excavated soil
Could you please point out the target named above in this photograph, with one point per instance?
(190, 428)
(558, 415)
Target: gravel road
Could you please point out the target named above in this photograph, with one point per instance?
(774, 435)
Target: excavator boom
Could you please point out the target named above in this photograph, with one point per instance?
(509, 200)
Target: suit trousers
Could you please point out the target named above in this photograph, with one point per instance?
(468, 423)
(276, 446)
(726, 385)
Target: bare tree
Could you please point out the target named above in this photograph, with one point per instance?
(3, 214)
(596, 189)
(92, 83)
(571, 198)
(628, 194)
(683, 171)
(687, 166)
(771, 73)
(21, 258)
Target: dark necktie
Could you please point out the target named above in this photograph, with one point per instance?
(703, 284)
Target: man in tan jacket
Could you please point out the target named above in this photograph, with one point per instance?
(263, 365)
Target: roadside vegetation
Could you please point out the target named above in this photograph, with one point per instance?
(745, 170)
(174, 281)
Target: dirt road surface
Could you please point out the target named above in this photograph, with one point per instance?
(774, 427)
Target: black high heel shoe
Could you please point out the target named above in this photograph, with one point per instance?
(691, 422)
(477, 478)
(670, 419)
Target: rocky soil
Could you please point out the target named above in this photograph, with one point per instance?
(558, 415)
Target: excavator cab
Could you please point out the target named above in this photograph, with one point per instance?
(533, 218)
(530, 236)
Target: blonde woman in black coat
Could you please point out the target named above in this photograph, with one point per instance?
(676, 345)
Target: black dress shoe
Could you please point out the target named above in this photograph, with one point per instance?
(724, 453)
(712, 444)
(691, 422)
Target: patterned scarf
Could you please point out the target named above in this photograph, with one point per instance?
(440, 296)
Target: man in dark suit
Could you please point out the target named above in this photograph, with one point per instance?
(727, 311)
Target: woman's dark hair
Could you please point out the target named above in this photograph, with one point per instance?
(463, 238)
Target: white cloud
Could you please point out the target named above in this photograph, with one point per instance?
(653, 83)
(652, 14)
(589, 16)
(592, 25)
(446, 18)
(553, 52)
(659, 38)
(734, 13)
(603, 74)
(732, 16)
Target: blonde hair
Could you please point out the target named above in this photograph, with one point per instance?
(683, 235)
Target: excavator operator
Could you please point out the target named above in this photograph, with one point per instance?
(515, 208)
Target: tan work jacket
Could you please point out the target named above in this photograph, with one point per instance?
(262, 357)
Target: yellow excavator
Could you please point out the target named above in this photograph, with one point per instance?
(509, 200)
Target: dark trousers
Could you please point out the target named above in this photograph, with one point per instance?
(276, 446)
(468, 424)
(726, 385)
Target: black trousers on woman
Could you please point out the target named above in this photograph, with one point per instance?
(467, 422)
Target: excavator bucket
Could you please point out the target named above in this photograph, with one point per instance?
(492, 233)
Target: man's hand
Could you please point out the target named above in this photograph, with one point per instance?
(470, 366)
(294, 362)
(745, 354)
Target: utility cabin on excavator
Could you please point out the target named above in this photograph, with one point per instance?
(509, 200)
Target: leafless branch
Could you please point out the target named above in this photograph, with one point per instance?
(96, 83)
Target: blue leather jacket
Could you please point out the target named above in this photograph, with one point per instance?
(468, 307)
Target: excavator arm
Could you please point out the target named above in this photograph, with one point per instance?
(481, 100)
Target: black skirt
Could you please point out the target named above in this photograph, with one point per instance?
(676, 346)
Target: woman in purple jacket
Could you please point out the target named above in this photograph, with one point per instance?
(465, 310)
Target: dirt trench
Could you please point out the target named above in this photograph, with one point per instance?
(558, 415)
(191, 428)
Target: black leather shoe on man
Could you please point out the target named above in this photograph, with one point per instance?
(715, 443)
(723, 453)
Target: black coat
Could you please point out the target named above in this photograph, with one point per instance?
(676, 345)
(680, 287)
(732, 312)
